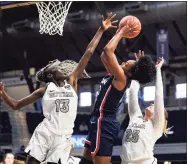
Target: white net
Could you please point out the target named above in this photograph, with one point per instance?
(67, 66)
(52, 16)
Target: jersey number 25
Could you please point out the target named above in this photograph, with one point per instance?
(132, 135)
(62, 105)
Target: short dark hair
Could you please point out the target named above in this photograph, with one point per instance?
(144, 70)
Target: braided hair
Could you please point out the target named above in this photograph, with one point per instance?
(66, 66)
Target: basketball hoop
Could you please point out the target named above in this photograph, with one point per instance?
(52, 16)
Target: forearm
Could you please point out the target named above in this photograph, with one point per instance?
(159, 84)
(112, 44)
(87, 55)
(95, 41)
(105, 63)
(10, 101)
(159, 102)
(133, 105)
(17, 104)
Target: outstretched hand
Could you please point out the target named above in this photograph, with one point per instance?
(140, 54)
(159, 62)
(108, 22)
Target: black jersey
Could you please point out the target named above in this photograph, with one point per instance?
(108, 97)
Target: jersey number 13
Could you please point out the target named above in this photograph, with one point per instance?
(62, 105)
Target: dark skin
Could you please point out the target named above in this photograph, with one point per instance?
(121, 72)
(108, 57)
(56, 76)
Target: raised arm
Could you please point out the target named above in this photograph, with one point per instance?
(133, 105)
(106, 24)
(17, 104)
(159, 117)
(110, 62)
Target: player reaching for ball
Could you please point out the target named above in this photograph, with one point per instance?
(104, 125)
(142, 132)
(51, 140)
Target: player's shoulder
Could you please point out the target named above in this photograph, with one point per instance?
(51, 86)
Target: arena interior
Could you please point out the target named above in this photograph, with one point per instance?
(23, 51)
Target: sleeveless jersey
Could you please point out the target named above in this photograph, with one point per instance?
(108, 97)
(60, 108)
(138, 141)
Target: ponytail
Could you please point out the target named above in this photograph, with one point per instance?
(167, 131)
(41, 77)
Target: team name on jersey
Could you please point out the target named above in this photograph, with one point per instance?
(60, 94)
(104, 81)
(140, 126)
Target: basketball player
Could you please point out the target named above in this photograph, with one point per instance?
(142, 132)
(104, 125)
(51, 140)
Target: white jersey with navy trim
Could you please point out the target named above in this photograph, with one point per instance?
(138, 141)
(60, 108)
(140, 135)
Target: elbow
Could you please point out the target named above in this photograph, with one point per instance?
(102, 56)
(107, 50)
(105, 54)
(15, 106)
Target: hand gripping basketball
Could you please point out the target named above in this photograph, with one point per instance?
(129, 27)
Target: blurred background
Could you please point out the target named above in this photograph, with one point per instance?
(23, 50)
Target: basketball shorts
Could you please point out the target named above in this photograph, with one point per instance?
(49, 147)
(102, 135)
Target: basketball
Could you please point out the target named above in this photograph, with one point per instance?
(131, 22)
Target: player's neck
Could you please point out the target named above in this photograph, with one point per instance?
(59, 83)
